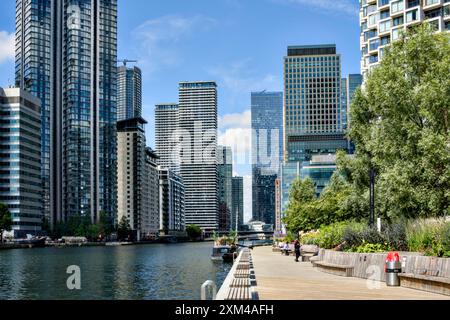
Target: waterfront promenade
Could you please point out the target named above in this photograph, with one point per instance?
(281, 278)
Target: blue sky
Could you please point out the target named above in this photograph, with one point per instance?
(238, 43)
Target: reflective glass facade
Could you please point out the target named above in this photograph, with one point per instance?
(237, 209)
(20, 160)
(66, 55)
(267, 151)
(129, 93)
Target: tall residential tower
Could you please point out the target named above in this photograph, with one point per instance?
(383, 20)
(66, 53)
(166, 136)
(129, 93)
(198, 131)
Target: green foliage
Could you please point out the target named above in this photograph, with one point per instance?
(124, 229)
(83, 227)
(302, 193)
(331, 236)
(310, 238)
(371, 248)
(431, 237)
(305, 212)
(194, 232)
(400, 124)
(395, 236)
(5, 220)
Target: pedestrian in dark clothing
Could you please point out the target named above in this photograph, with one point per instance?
(297, 250)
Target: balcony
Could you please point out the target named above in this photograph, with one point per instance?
(431, 4)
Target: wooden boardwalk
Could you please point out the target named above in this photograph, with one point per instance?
(281, 278)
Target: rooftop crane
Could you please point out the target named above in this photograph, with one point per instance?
(125, 61)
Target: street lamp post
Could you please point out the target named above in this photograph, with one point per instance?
(372, 196)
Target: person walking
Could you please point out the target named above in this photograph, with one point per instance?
(297, 250)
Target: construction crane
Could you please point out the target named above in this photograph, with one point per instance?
(125, 61)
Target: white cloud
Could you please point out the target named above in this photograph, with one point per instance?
(235, 132)
(347, 7)
(159, 39)
(6, 46)
(239, 78)
(236, 120)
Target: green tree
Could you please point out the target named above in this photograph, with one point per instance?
(123, 230)
(194, 232)
(401, 126)
(5, 220)
(105, 225)
(301, 194)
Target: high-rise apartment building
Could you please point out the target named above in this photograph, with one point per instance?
(129, 93)
(66, 53)
(383, 20)
(172, 215)
(225, 173)
(138, 180)
(267, 152)
(166, 136)
(20, 160)
(198, 131)
(237, 209)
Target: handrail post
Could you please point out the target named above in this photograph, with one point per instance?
(209, 284)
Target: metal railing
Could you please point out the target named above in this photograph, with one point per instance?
(209, 287)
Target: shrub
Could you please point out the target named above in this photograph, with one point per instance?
(371, 248)
(311, 238)
(332, 236)
(421, 235)
(445, 236)
(352, 236)
(395, 236)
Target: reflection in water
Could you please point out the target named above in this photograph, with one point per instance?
(150, 272)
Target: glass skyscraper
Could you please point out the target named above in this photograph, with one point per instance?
(267, 151)
(237, 209)
(129, 93)
(20, 160)
(353, 83)
(66, 53)
(315, 114)
(225, 172)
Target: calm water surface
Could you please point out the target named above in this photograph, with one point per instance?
(150, 272)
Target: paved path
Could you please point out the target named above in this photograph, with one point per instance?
(281, 278)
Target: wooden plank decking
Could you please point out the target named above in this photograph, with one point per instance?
(281, 278)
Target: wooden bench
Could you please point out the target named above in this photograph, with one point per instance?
(239, 293)
(243, 266)
(242, 273)
(313, 260)
(240, 282)
(336, 269)
(425, 282)
(308, 251)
